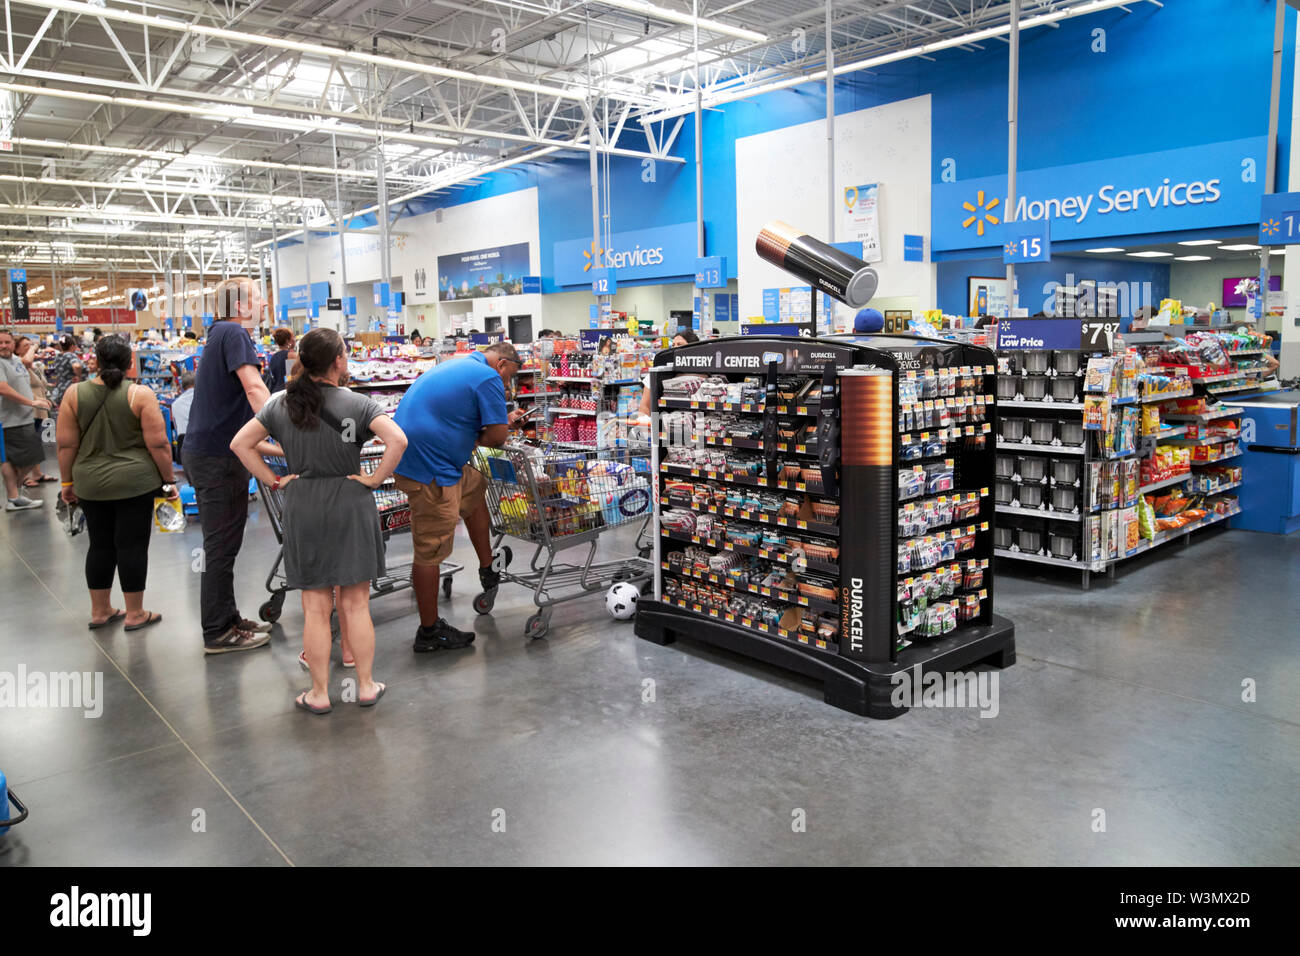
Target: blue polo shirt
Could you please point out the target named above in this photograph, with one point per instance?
(442, 415)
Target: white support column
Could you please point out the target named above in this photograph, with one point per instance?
(1290, 266)
(1013, 110)
(832, 200)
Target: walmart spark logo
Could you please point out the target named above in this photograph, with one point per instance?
(1270, 227)
(592, 256)
(1011, 248)
(980, 212)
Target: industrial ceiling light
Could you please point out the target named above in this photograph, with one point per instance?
(1150, 254)
(1105, 249)
(244, 38)
(188, 158)
(1192, 258)
(1239, 247)
(1094, 6)
(684, 19)
(223, 113)
(1200, 242)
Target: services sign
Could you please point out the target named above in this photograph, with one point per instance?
(1194, 187)
(661, 252)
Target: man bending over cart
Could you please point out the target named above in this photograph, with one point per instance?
(449, 410)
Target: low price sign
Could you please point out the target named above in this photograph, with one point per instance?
(1034, 334)
(1098, 335)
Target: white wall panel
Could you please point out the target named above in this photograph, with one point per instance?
(782, 175)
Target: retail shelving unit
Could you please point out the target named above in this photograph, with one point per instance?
(589, 386)
(1041, 487)
(1041, 522)
(824, 505)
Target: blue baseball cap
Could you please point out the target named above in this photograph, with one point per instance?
(868, 320)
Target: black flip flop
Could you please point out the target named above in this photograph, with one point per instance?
(153, 618)
(301, 703)
(374, 700)
(111, 619)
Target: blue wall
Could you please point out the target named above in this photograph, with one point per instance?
(1188, 73)
(1033, 279)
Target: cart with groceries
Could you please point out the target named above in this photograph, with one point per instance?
(561, 498)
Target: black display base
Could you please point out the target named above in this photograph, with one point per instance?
(861, 688)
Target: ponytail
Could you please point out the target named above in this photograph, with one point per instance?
(304, 399)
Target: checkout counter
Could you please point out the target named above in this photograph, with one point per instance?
(1270, 435)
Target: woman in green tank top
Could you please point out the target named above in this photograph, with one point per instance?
(114, 457)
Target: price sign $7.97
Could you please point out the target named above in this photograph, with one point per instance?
(1098, 335)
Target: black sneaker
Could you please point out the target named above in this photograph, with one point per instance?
(489, 579)
(442, 636)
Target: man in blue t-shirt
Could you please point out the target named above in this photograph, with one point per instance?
(228, 390)
(450, 409)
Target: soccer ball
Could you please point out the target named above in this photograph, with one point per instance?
(620, 601)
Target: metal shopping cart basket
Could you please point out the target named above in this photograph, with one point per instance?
(394, 516)
(558, 498)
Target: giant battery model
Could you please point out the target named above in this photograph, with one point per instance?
(824, 505)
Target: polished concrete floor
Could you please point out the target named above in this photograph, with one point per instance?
(1126, 699)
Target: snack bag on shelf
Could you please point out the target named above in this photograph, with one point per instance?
(1146, 518)
(1150, 420)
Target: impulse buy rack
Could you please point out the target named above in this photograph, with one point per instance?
(1066, 496)
(824, 505)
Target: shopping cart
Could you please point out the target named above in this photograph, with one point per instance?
(394, 516)
(561, 498)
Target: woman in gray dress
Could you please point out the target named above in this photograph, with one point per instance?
(332, 537)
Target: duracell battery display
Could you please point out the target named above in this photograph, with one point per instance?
(832, 492)
(831, 270)
(868, 478)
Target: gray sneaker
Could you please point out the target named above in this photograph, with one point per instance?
(235, 640)
(22, 503)
(253, 627)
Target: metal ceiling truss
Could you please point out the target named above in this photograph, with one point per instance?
(180, 117)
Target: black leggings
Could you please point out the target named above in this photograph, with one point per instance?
(119, 541)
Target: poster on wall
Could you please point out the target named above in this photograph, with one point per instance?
(986, 295)
(861, 218)
(483, 273)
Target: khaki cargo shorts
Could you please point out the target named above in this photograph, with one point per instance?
(435, 510)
